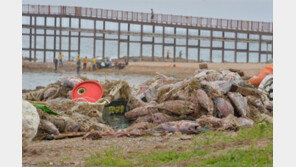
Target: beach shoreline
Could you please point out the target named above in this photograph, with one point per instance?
(182, 70)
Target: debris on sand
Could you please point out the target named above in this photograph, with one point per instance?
(210, 100)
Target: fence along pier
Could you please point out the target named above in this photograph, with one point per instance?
(175, 22)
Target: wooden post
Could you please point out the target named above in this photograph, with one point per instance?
(211, 46)
(187, 35)
(118, 47)
(153, 30)
(174, 45)
(60, 36)
(95, 28)
(69, 43)
(30, 45)
(248, 48)
(266, 52)
(271, 50)
(198, 48)
(141, 43)
(223, 47)
(128, 42)
(44, 46)
(163, 41)
(259, 53)
(35, 38)
(235, 48)
(54, 37)
(103, 42)
(79, 33)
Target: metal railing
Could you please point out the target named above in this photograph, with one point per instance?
(146, 17)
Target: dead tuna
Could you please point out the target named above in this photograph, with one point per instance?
(48, 127)
(240, 103)
(245, 122)
(224, 107)
(205, 101)
(184, 126)
(178, 107)
(140, 111)
(159, 118)
(222, 86)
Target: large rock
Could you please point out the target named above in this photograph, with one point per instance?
(30, 122)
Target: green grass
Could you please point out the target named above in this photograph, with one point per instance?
(201, 152)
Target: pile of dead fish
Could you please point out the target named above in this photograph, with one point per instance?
(73, 116)
(210, 100)
(215, 100)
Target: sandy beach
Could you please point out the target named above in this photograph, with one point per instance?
(181, 70)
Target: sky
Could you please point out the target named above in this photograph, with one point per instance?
(255, 10)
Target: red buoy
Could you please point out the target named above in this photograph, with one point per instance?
(88, 90)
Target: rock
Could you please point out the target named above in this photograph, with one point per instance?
(245, 122)
(183, 126)
(203, 66)
(224, 107)
(205, 101)
(240, 103)
(30, 123)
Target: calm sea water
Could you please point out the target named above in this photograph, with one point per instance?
(31, 80)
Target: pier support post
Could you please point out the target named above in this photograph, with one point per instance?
(141, 43)
(60, 36)
(187, 35)
(30, 44)
(103, 42)
(211, 46)
(44, 46)
(198, 48)
(79, 34)
(163, 41)
(174, 45)
(223, 47)
(54, 37)
(153, 31)
(248, 48)
(35, 38)
(128, 42)
(69, 43)
(118, 40)
(95, 28)
(259, 53)
(235, 48)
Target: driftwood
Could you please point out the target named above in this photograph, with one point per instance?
(69, 135)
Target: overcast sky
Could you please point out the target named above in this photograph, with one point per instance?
(257, 10)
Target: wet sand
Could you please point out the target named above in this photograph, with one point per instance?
(147, 68)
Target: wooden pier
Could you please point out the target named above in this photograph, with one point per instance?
(262, 30)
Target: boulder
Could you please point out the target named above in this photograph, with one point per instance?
(30, 122)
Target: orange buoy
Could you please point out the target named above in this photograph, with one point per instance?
(88, 90)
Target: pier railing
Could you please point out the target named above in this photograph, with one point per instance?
(226, 24)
